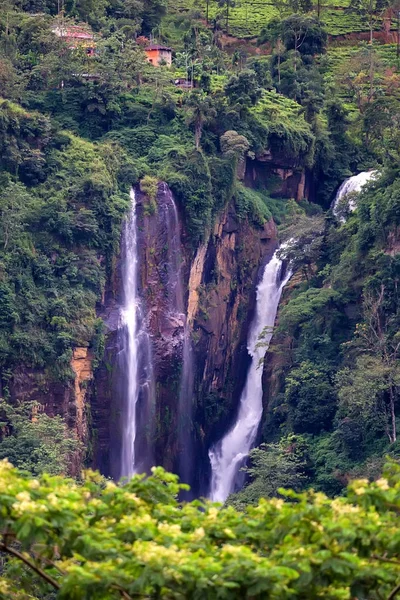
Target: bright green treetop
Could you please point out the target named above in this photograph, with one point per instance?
(101, 540)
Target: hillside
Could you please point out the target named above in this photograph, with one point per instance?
(246, 18)
(199, 270)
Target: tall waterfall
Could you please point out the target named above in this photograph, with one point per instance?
(176, 312)
(227, 456)
(351, 185)
(135, 358)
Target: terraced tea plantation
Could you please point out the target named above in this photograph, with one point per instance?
(248, 17)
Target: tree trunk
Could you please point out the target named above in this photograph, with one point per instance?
(392, 414)
(197, 134)
(371, 72)
(296, 45)
(279, 66)
(279, 71)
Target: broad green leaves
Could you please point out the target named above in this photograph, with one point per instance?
(100, 540)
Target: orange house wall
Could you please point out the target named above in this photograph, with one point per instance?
(155, 57)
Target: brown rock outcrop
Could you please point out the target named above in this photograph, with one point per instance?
(393, 242)
(282, 179)
(235, 254)
(59, 398)
(81, 364)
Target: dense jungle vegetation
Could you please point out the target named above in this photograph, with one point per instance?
(75, 133)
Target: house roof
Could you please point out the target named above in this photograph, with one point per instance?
(73, 32)
(158, 47)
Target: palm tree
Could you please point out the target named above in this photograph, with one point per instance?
(200, 112)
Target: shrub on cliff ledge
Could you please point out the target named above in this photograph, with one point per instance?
(100, 540)
(149, 186)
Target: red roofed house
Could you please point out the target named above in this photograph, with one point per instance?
(77, 36)
(158, 54)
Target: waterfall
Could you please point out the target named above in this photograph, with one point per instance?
(352, 185)
(186, 411)
(227, 455)
(135, 358)
(177, 313)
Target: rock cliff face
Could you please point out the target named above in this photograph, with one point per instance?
(164, 268)
(235, 253)
(218, 282)
(157, 238)
(66, 399)
(280, 178)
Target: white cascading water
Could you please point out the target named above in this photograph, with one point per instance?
(227, 456)
(176, 307)
(351, 185)
(130, 322)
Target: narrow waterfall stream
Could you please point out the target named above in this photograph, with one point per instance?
(228, 454)
(135, 356)
(352, 185)
(176, 310)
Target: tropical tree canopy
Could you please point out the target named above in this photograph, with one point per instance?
(97, 539)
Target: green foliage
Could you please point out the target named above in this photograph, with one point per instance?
(311, 398)
(100, 540)
(304, 237)
(288, 132)
(304, 306)
(149, 186)
(273, 466)
(233, 144)
(52, 238)
(248, 17)
(36, 442)
(243, 91)
(252, 205)
(200, 111)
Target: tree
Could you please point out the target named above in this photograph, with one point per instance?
(200, 111)
(90, 11)
(362, 410)
(13, 213)
(152, 13)
(272, 466)
(296, 40)
(236, 146)
(243, 91)
(228, 4)
(99, 540)
(371, 11)
(311, 398)
(121, 63)
(362, 74)
(374, 386)
(304, 34)
(35, 442)
(304, 238)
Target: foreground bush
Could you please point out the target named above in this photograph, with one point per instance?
(94, 540)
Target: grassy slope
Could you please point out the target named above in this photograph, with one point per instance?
(249, 16)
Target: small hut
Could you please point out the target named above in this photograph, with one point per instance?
(158, 55)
